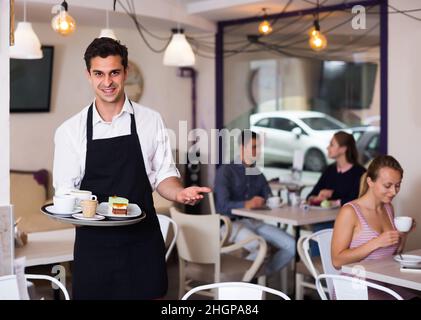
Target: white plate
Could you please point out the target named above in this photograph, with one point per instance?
(278, 206)
(53, 210)
(409, 260)
(81, 217)
(336, 206)
(133, 211)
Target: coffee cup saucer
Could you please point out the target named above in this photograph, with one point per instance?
(53, 210)
(80, 216)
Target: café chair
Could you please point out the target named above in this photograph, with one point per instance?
(324, 241)
(237, 291)
(9, 289)
(307, 269)
(351, 288)
(164, 223)
(203, 259)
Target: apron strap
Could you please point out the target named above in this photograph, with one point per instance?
(89, 129)
(89, 124)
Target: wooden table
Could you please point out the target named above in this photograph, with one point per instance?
(388, 271)
(294, 216)
(48, 247)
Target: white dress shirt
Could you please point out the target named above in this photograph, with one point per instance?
(70, 144)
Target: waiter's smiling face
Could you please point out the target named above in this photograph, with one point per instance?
(107, 76)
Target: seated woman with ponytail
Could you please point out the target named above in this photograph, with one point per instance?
(340, 181)
(364, 228)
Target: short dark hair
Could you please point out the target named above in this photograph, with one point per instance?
(104, 47)
(247, 135)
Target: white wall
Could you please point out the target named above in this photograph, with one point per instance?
(404, 126)
(32, 134)
(4, 103)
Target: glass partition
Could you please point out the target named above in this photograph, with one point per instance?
(297, 98)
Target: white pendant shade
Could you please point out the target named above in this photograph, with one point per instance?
(179, 52)
(27, 44)
(107, 33)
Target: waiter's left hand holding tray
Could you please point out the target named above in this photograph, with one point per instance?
(115, 152)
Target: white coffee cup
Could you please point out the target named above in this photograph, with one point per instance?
(64, 203)
(81, 195)
(403, 224)
(273, 202)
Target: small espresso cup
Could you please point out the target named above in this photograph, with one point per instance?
(273, 202)
(81, 195)
(64, 203)
(403, 224)
(89, 207)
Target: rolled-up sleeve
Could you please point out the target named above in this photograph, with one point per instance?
(162, 162)
(66, 169)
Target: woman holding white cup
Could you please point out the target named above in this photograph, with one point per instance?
(365, 228)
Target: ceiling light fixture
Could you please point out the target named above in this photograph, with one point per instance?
(179, 53)
(27, 44)
(107, 32)
(317, 41)
(265, 27)
(62, 23)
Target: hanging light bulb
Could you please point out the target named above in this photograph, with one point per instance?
(265, 27)
(27, 44)
(317, 39)
(62, 22)
(107, 32)
(179, 53)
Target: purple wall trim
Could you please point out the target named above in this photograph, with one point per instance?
(219, 83)
(384, 47)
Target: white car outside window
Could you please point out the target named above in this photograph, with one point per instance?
(286, 131)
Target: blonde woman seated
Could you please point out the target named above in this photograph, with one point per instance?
(364, 228)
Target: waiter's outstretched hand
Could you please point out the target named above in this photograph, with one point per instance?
(191, 195)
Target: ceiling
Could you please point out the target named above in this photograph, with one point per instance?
(220, 10)
(200, 16)
(195, 15)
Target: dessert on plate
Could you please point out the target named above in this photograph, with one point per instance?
(117, 205)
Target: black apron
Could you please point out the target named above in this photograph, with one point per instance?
(125, 262)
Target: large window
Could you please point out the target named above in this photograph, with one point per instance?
(297, 97)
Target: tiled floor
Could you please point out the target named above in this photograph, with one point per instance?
(43, 289)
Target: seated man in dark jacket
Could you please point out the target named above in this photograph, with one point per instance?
(235, 188)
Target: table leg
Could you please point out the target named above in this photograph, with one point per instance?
(56, 293)
(297, 259)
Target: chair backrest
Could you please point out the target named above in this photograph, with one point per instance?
(237, 291)
(6, 240)
(303, 252)
(324, 241)
(28, 193)
(9, 287)
(164, 223)
(350, 288)
(198, 237)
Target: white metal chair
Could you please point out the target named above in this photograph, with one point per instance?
(164, 223)
(237, 291)
(304, 274)
(9, 289)
(203, 258)
(324, 242)
(350, 288)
